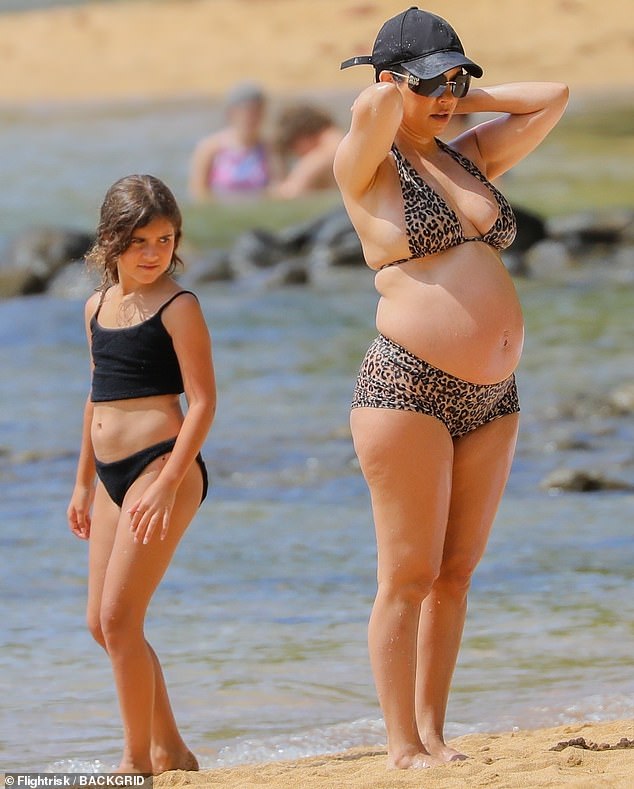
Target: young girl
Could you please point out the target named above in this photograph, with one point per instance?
(148, 343)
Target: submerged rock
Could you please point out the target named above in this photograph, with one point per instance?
(621, 399)
(548, 259)
(581, 481)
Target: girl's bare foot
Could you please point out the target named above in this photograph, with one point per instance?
(162, 761)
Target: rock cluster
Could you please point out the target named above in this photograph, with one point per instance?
(589, 244)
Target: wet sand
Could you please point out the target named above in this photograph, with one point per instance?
(514, 759)
(167, 49)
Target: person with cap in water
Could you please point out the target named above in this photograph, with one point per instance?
(435, 409)
(234, 162)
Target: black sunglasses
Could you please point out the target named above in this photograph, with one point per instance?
(435, 87)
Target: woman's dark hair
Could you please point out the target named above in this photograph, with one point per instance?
(130, 203)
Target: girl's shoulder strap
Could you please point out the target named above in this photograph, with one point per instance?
(175, 296)
(101, 300)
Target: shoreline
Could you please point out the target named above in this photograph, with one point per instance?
(208, 39)
(520, 758)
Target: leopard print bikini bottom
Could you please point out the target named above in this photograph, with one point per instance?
(392, 377)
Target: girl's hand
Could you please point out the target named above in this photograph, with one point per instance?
(152, 512)
(78, 512)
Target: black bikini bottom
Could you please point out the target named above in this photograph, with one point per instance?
(392, 377)
(117, 477)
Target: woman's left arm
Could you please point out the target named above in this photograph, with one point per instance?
(185, 323)
(530, 110)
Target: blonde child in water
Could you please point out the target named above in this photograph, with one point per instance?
(140, 475)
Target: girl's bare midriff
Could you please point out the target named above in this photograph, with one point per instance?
(122, 427)
(457, 310)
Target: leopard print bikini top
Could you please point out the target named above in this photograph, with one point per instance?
(432, 225)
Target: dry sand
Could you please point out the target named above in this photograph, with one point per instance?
(167, 48)
(503, 761)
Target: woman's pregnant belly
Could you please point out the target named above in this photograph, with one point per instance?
(458, 311)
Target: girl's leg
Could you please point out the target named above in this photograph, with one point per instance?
(406, 459)
(105, 516)
(134, 571)
(168, 751)
(482, 462)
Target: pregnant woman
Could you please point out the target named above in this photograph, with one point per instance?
(435, 409)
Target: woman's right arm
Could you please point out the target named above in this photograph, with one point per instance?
(78, 512)
(376, 117)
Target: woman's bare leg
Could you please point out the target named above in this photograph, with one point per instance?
(134, 571)
(406, 459)
(482, 462)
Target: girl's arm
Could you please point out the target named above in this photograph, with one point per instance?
(184, 321)
(531, 110)
(78, 512)
(376, 117)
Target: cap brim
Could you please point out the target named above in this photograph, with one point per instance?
(358, 60)
(437, 63)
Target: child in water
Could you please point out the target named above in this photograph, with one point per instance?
(148, 344)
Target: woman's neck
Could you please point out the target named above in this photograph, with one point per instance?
(424, 143)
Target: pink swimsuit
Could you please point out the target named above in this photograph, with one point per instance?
(239, 170)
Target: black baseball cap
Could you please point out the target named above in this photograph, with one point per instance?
(425, 44)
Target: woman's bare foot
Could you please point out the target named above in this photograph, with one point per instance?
(444, 753)
(162, 761)
(413, 759)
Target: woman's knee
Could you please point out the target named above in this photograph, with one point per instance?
(408, 587)
(93, 620)
(455, 575)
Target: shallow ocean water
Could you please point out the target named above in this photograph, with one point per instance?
(261, 619)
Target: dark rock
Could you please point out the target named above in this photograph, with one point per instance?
(298, 238)
(531, 229)
(255, 249)
(288, 272)
(587, 229)
(336, 243)
(36, 255)
(580, 481)
(214, 267)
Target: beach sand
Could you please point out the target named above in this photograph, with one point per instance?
(517, 759)
(170, 48)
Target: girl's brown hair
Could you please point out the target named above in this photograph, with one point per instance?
(130, 203)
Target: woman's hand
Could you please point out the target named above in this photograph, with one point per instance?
(152, 512)
(78, 512)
